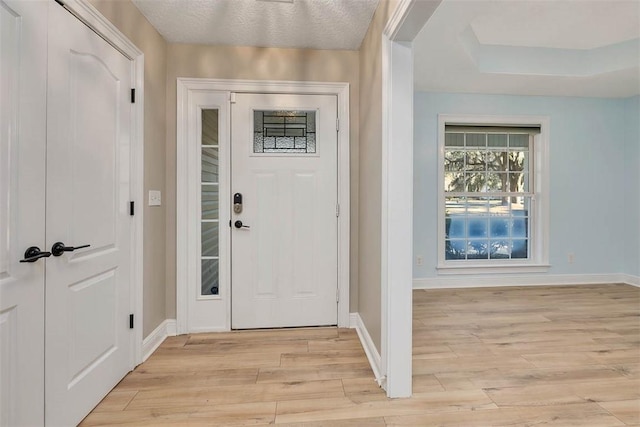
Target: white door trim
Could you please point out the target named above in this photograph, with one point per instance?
(91, 17)
(397, 193)
(186, 88)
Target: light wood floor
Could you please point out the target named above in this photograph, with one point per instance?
(561, 356)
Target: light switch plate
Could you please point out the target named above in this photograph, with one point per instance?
(155, 198)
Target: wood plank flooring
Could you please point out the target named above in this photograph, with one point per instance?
(561, 356)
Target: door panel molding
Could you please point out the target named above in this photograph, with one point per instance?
(187, 90)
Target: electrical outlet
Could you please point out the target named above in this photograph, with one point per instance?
(419, 260)
(571, 257)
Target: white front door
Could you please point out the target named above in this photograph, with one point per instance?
(23, 71)
(88, 340)
(284, 240)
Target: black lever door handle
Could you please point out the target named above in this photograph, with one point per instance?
(33, 254)
(59, 248)
(238, 224)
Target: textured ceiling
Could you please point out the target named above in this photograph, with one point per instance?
(315, 24)
(570, 48)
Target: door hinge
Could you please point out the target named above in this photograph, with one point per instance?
(133, 96)
(337, 124)
(131, 321)
(337, 294)
(132, 208)
(337, 210)
(232, 97)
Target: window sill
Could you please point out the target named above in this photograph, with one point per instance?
(492, 268)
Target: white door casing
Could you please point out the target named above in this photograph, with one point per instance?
(23, 69)
(192, 95)
(284, 257)
(88, 301)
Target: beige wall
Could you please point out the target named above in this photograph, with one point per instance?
(370, 190)
(164, 63)
(126, 17)
(229, 62)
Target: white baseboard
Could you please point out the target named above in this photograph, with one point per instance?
(515, 280)
(631, 280)
(155, 338)
(355, 322)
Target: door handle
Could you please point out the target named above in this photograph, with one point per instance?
(59, 248)
(33, 254)
(238, 224)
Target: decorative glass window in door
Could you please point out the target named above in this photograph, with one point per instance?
(284, 132)
(210, 256)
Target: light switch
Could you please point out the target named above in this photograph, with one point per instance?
(155, 198)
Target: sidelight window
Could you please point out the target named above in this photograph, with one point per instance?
(209, 226)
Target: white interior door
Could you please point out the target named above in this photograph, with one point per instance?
(88, 340)
(23, 70)
(284, 241)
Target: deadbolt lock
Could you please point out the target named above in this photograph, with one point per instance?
(237, 203)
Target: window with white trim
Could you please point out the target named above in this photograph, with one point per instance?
(489, 210)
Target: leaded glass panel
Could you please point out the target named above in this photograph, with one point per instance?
(290, 131)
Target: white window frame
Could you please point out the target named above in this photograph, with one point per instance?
(538, 260)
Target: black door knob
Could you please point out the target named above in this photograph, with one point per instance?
(238, 224)
(33, 254)
(59, 248)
